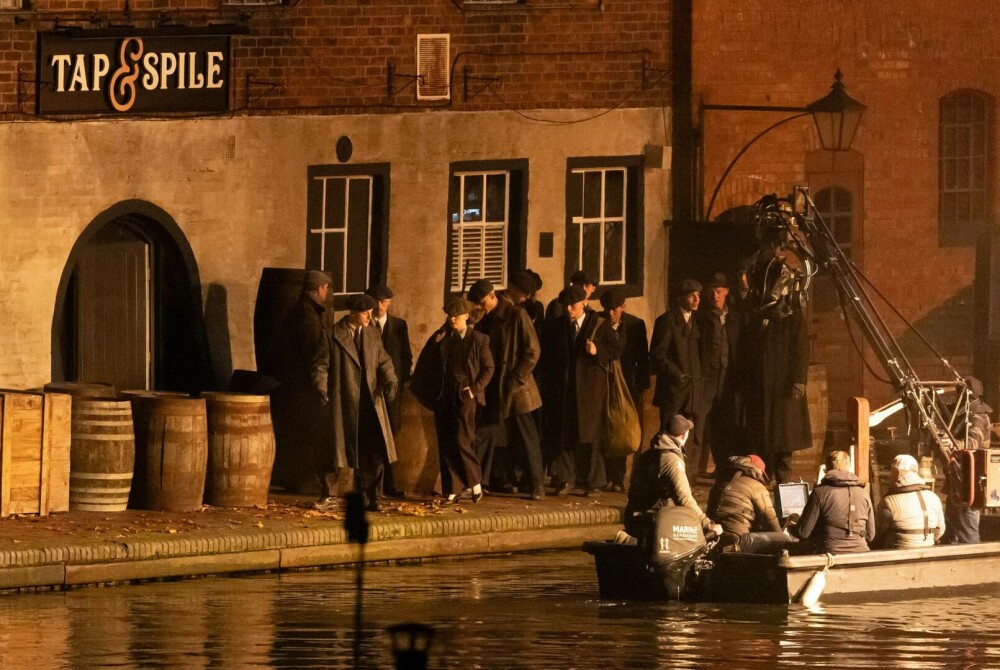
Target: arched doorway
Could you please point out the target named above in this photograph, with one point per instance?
(128, 308)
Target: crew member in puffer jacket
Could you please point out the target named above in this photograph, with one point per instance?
(743, 507)
(660, 479)
(910, 514)
(838, 517)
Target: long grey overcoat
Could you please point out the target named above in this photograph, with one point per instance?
(346, 382)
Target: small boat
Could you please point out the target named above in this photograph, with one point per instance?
(624, 573)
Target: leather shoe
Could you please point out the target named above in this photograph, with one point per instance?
(590, 493)
(538, 493)
(396, 494)
(562, 488)
(476, 497)
(375, 506)
(329, 502)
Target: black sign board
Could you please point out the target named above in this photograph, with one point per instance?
(132, 74)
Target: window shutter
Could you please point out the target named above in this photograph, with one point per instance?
(433, 67)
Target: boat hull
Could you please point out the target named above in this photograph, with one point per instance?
(875, 575)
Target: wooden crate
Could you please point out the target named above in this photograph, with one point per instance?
(34, 453)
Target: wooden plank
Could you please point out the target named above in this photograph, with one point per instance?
(22, 443)
(857, 425)
(57, 437)
(4, 459)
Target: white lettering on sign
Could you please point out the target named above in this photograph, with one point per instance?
(135, 70)
(685, 533)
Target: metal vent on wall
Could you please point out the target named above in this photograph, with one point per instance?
(433, 67)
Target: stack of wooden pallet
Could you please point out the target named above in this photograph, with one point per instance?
(35, 436)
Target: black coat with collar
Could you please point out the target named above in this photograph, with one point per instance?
(677, 363)
(719, 378)
(568, 368)
(396, 341)
(635, 353)
(427, 384)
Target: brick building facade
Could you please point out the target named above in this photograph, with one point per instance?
(912, 195)
(324, 155)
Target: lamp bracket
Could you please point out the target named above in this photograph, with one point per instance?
(392, 75)
(485, 81)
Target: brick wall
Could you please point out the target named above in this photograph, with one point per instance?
(899, 58)
(331, 57)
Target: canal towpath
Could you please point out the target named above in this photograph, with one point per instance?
(79, 548)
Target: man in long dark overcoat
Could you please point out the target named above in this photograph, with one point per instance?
(512, 393)
(363, 380)
(576, 354)
(301, 420)
(396, 341)
(776, 404)
(720, 329)
(676, 361)
(631, 333)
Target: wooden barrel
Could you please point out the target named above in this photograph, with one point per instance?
(805, 462)
(140, 419)
(176, 453)
(83, 389)
(240, 449)
(102, 455)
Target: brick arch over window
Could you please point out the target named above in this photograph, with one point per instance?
(964, 149)
(744, 191)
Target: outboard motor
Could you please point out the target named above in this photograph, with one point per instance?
(676, 544)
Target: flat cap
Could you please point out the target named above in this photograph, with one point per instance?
(315, 278)
(361, 303)
(581, 277)
(456, 304)
(716, 280)
(680, 425)
(537, 277)
(523, 281)
(688, 286)
(480, 289)
(379, 292)
(572, 295)
(613, 298)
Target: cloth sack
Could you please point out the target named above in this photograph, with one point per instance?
(622, 431)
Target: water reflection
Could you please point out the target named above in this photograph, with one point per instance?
(537, 611)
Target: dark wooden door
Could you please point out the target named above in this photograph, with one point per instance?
(113, 307)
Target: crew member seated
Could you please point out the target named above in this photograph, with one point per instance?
(838, 517)
(910, 514)
(659, 479)
(744, 509)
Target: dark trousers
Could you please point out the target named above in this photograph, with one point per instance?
(961, 523)
(373, 458)
(455, 424)
(579, 463)
(490, 443)
(526, 448)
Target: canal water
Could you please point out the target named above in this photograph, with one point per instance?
(537, 611)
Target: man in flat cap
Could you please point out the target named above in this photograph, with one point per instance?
(512, 394)
(362, 374)
(631, 333)
(677, 363)
(580, 278)
(452, 373)
(577, 349)
(301, 418)
(720, 331)
(396, 341)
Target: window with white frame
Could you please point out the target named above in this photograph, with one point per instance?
(485, 222)
(346, 222)
(604, 214)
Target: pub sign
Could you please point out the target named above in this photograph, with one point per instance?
(132, 73)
